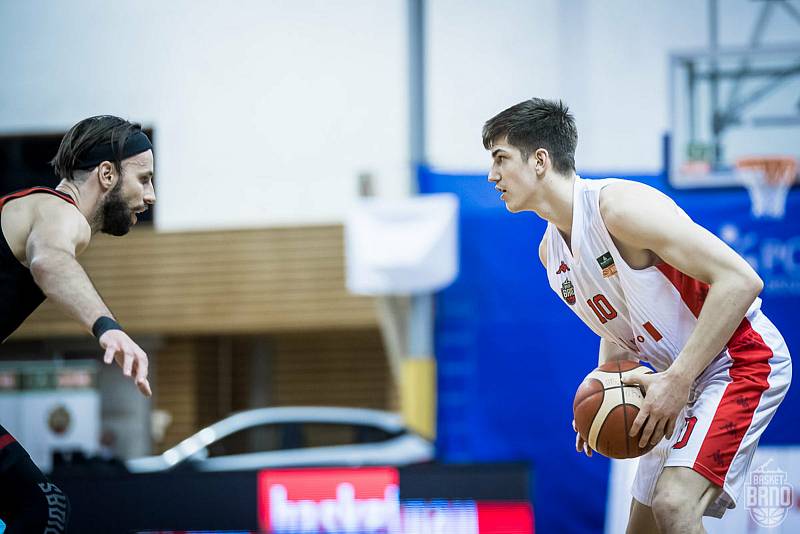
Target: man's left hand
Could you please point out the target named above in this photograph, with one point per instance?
(665, 396)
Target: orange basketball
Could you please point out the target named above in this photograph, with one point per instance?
(605, 409)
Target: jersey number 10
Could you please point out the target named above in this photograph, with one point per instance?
(602, 308)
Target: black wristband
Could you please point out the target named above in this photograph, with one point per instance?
(103, 325)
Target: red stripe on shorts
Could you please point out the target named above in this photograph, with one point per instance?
(748, 373)
(6, 440)
(738, 404)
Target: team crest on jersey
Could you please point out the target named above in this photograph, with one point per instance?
(606, 262)
(562, 268)
(568, 292)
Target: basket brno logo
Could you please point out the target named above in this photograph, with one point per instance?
(768, 496)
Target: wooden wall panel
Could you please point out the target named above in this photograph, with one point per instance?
(174, 389)
(201, 379)
(188, 382)
(332, 369)
(212, 380)
(220, 282)
(241, 380)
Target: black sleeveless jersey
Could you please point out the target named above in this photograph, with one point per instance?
(19, 294)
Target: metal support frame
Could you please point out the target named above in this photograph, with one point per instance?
(790, 9)
(744, 65)
(420, 323)
(406, 321)
(778, 78)
(713, 45)
(724, 115)
(691, 100)
(416, 84)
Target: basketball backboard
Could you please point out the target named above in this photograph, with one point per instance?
(731, 104)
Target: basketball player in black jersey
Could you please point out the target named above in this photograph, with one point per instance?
(106, 168)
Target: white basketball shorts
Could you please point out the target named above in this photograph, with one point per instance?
(718, 431)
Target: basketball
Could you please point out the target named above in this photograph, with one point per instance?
(605, 409)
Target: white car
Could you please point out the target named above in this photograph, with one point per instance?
(293, 437)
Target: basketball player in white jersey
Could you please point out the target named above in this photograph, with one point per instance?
(655, 287)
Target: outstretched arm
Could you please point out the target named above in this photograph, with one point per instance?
(51, 249)
(58, 233)
(643, 218)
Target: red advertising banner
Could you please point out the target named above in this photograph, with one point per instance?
(505, 518)
(329, 500)
(366, 501)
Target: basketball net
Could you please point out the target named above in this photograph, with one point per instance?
(767, 179)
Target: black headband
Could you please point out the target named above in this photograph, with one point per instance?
(135, 144)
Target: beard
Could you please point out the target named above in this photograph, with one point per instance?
(115, 213)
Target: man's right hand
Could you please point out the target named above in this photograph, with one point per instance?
(580, 444)
(128, 355)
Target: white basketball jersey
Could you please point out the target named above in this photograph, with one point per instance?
(650, 312)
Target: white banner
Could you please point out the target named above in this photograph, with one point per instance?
(402, 246)
(769, 504)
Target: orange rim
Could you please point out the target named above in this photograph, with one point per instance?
(776, 169)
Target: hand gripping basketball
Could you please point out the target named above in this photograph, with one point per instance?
(605, 408)
(667, 394)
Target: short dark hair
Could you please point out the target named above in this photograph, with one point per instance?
(87, 134)
(533, 124)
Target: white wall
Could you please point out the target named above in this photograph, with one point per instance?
(482, 58)
(264, 112)
(619, 85)
(608, 60)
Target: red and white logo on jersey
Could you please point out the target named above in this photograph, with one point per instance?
(562, 268)
(568, 292)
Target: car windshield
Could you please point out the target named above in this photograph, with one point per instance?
(298, 435)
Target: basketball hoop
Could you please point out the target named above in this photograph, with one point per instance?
(767, 179)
